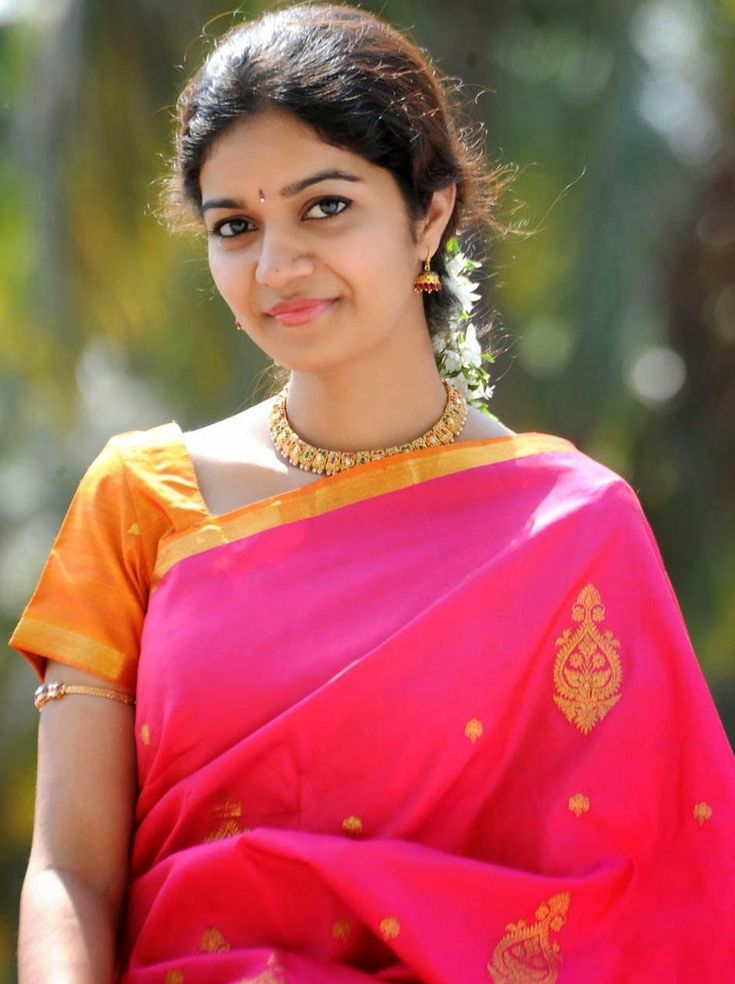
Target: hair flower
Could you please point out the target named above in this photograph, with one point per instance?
(457, 350)
(464, 289)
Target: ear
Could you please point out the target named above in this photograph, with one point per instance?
(435, 221)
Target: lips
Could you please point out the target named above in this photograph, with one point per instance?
(302, 311)
(303, 304)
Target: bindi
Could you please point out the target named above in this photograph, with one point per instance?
(261, 195)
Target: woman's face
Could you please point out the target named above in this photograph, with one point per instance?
(276, 234)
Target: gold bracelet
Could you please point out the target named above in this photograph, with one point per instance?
(56, 690)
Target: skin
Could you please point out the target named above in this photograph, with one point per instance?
(349, 386)
(361, 376)
(74, 886)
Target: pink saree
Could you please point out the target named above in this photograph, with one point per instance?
(435, 720)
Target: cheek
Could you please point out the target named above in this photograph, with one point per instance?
(384, 262)
(226, 274)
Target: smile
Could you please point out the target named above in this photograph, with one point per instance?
(303, 313)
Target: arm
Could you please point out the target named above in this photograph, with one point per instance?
(85, 798)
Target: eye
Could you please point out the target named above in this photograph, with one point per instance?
(217, 230)
(326, 203)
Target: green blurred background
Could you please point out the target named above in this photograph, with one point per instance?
(618, 316)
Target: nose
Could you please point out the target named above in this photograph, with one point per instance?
(281, 259)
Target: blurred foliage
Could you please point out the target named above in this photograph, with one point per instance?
(618, 314)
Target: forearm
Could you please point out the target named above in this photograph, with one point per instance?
(67, 931)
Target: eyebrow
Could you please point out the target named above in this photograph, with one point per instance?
(288, 192)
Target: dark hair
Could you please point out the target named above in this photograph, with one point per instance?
(362, 86)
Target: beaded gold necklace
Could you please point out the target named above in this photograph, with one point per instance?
(325, 462)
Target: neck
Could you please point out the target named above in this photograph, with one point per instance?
(374, 406)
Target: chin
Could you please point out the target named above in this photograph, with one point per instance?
(313, 356)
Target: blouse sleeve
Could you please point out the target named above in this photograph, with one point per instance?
(88, 606)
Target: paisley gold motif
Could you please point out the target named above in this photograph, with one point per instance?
(579, 804)
(702, 812)
(174, 977)
(473, 730)
(587, 671)
(212, 941)
(526, 955)
(145, 734)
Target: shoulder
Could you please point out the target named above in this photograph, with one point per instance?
(131, 451)
(137, 443)
(580, 485)
(551, 471)
(150, 470)
(136, 459)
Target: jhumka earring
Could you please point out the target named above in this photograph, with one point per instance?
(427, 281)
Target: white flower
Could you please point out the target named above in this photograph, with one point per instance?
(484, 392)
(465, 291)
(455, 264)
(461, 383)
(439, 342)
(458, 265)
(458, 281)
(470, 351)
(452, 361)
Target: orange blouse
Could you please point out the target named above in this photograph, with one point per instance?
(88, 607)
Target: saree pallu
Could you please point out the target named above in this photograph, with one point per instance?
(436, 721)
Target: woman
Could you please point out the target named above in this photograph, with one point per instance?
(425, 715)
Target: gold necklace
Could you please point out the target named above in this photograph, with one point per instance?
(326, 462)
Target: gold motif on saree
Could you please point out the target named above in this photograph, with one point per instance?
(174, 977)
(702, 812)
(579, 804)
(526, 954)
(389, 928)
(341, 929)
(212, 941)
(352, 825)
(134, 529)
(227, 815)
(228, 809)
(473, 730)
(145, 734)
(587, 671)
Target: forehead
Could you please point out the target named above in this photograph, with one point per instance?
(273, 149)
(269, 153)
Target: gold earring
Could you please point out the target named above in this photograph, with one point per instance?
(427, 281)
(238, 325)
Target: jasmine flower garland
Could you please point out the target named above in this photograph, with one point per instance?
(457, 351)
